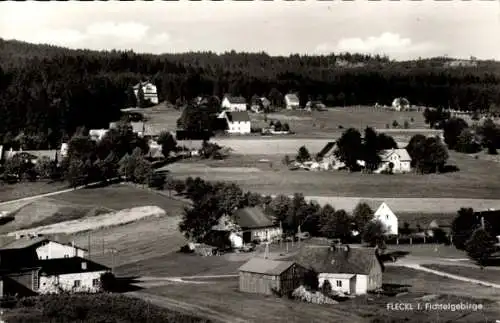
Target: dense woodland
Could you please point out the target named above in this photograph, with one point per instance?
(46, 92)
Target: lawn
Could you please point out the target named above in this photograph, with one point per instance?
(491, 275)
(222, 296)
(429, 250)
(9, 192)
(476, 179)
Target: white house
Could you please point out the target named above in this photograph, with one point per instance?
(237, 121)
(292, 101)
(326, 157)
(149, 90)
(396, 159)
(69, 275)
(353, 271)
(55, 250)
(390, 221)
(97, 134)
(234, 103)
(401, 104)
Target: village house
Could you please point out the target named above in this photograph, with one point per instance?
(401, 104)
(69, 274)
(318, 105)
(234, 103)
(353, 271)
(260, 105)
(256, 225)
(395, 160)
(390, 221)
(226, 233)
(32, 155)
(238, 122)
(292, 101)
(327, 159)
(149, 90)
(265, 276)
(31, 249)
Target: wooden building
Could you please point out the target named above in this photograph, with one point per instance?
(262, 276)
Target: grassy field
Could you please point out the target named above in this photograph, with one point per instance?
(477, 179)
(222, 295)
(16, 191)
(491, 275)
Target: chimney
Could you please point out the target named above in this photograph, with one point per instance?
(84, 265)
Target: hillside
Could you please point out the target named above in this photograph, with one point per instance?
(47, 87)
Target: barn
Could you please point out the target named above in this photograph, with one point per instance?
(262, 276)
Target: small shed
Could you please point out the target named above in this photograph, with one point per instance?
(263, 276)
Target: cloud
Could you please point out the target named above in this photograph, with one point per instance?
(387, 43)
(101, 35)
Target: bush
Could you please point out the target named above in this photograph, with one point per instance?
(179, 186)
(406, 124)
(395, 124)
(387, 126)
(341, 126)
(412, 119)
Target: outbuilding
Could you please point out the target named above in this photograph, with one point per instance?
(263, 276)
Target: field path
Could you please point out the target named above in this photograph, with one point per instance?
(187, 308)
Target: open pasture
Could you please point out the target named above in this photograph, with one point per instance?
(222, 296)
(9, 192)
(474, 185)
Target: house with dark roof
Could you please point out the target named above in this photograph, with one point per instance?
(256, 225)
(234, 103)
(354, 271)
(238, 122)
(263, 276)
(69, 274)
(149, 90)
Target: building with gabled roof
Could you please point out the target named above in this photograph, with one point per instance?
(234, 103)
(394, 160)
(265, 276)
(292, 101)
(256, 224)
(149, 90)
(337, 264)
(238, 122)
(385, 215)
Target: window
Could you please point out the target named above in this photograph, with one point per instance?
(96, 282)
(339, 283)
(76, 283)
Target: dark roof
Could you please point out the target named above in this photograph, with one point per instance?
(236, 99)
(238, 116)
(24, 243)
(252, 217)
(266, 266)
(335, 260)
(326, 149)
(68, 266)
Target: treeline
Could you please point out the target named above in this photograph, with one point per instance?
(48, 91)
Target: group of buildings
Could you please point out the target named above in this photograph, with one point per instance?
(38, 265)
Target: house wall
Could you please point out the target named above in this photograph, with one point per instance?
(348, 284)
(150, 92)
(291, 279)
(258, 283)
(390, 222)
(50, 284)
(54, 250)
(239, 127)
(375, 278)
(233, 106)
(361, 284)
(263, 234)
(20, 282)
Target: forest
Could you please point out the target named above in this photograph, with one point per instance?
(47, 92)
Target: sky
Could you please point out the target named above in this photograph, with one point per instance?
(400, 29)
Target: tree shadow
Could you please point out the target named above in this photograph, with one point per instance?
(125, 284)
(449, 169)
(393, 256)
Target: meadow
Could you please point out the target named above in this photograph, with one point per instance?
(9, 192)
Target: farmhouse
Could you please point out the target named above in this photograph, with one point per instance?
(401, 104)
(292, 101)
(149, 90)
(69, 274)
(395, 160)
(326, 157)
(390, 221)
(256, 225)
(234, 103)
(32, 249)
(354, 271)
(237, 121)
(260, 104)
(263, 276)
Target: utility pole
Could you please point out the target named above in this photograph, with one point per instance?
(482, 222)
(89, 246)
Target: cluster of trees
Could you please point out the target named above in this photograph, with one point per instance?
(459, 136)
(49, 91)
(211, 201)
(428, 154)
(474, 235)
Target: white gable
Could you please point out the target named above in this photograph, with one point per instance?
(385, 215)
